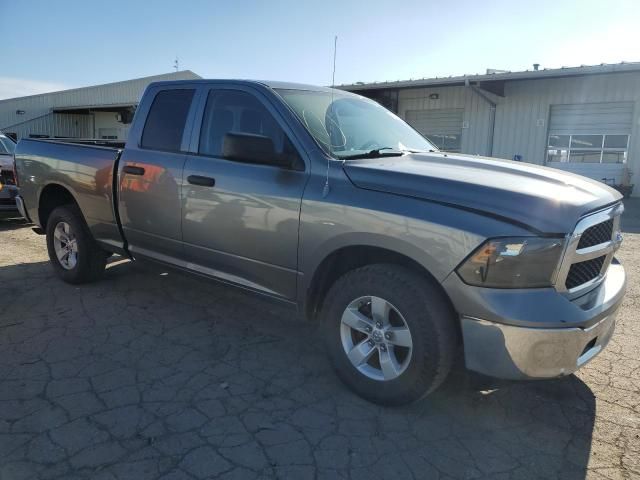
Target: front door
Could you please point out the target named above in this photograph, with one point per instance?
(240, 220)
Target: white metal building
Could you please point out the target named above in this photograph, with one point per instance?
(101, 111)
(582, 119)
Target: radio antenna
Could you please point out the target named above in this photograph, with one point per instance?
(325, 190)
(335, 50)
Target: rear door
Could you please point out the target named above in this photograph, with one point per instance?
(243, 226)
(150, 174)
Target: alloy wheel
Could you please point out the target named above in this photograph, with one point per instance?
(376, 338)
(65, 245)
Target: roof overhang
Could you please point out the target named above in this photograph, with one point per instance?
(86, 109)
(495, 81)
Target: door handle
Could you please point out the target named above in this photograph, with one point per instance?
(202, 181)
(131, 170)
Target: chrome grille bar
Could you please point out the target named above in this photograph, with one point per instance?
(573, 254)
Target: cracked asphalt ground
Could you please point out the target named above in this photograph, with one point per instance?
(154, 374)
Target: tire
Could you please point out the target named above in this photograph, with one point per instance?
(86, 260)
(422, 360)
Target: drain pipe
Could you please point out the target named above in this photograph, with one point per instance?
(492, 112)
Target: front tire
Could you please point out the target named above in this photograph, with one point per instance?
(389, 333)
(74, 254)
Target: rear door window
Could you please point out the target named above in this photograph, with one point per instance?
(166, 119)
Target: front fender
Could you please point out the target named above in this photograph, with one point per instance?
(437, 237)
(425, 258)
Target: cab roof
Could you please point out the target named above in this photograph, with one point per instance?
(273, 84)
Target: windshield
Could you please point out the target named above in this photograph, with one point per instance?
(6, 145)
(349, 126)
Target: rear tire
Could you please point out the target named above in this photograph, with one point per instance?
(74, 254)
(394, 361)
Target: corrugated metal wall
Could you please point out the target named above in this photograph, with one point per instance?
(522, 116)
(38, 118)
(56, 125)
(476, 118)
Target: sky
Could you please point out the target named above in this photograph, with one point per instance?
(49, 46)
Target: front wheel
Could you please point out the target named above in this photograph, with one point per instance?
(73, 252)
(389, 332)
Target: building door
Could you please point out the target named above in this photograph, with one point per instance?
(590, 139)
(443, 127)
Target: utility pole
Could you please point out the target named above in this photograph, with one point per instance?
(176, 64)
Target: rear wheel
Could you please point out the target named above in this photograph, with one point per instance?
(389, 333)
(74, 254)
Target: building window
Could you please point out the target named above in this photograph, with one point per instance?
(446, 142)
(588, 148)
(108, 133)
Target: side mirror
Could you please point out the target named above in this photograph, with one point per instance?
(250, 148)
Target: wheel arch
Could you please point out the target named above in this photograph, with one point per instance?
(51, 196)
(345, 258)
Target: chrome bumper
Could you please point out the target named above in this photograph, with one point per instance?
(515, 352)
(519, 353)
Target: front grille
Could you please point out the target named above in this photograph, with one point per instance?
(600, 233)
(583, 272)
(589, 251)
(7, 201)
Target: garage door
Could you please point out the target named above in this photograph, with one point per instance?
(443, 127)
(590, 139)
(613, 117)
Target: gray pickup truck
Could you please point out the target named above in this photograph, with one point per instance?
(328, 202)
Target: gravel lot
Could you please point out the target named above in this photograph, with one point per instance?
(154, 374)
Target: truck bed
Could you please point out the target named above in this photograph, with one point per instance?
(81, 167)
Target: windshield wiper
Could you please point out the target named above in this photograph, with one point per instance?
(375, 153)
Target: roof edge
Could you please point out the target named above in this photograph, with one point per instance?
(623, 67)
(119, 82)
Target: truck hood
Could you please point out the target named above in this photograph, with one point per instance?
(544, 199)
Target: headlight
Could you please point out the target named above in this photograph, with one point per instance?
(516, 262)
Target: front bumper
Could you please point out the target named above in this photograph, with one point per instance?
(520, 353)
(551, 349)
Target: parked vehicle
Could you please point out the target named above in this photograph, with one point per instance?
(327, 201)
(8, 190)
